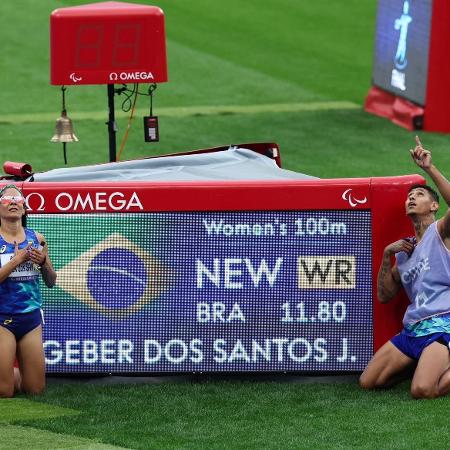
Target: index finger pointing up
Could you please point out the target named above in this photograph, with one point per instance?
(418, 141)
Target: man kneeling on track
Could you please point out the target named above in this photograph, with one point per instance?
(422, 267)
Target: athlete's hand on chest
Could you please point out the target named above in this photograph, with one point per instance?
(22, 254)
(37, 256)
(402, 245)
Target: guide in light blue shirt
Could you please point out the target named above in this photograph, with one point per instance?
(23, 259)
(425, 276)
(422, 269)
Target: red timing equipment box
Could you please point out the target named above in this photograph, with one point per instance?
(107, 43)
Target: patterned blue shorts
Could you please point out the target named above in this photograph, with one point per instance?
(21, 324)
(413, 346)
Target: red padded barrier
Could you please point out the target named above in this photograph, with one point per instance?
(383, 196)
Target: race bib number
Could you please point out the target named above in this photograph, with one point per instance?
(25, 271)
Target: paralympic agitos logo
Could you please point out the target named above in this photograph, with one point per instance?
(115, 277)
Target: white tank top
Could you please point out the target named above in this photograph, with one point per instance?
(425, 275)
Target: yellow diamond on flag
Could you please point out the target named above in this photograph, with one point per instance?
(115, 277)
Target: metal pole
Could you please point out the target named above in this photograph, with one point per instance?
(112, 128)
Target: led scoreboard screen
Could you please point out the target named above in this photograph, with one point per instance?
(217, 276)
(402, 44)
(209, 291)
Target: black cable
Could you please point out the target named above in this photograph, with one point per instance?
(63, 90)
(129, 93)
(151, 89)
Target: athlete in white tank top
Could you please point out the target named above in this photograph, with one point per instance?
(422, 268)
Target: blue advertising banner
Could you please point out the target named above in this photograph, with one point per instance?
(208, 291)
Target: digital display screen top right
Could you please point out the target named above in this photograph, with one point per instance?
(402, 42)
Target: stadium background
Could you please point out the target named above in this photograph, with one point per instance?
(294, 72)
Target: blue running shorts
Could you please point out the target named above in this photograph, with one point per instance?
(21, 324)
(413, 346)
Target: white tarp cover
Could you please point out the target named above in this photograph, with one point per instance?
(232, 164)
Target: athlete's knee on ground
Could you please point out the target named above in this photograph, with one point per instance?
(424, 390)
(365, 382)
(444, 384)
(374, 379)
(34, 388)
(368, 382)
(6, 390)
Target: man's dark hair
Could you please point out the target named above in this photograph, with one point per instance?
(431, 191)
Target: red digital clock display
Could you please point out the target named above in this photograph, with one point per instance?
(109, 42)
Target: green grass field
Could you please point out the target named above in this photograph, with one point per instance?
(292, 55)
(222, 415)
(293, 72)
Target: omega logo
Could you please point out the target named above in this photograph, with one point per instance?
(125, 76)
(98, 201)
(35, 202)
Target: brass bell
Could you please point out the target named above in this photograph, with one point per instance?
(64, 129)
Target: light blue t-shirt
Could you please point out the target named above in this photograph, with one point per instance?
(20, 293)
(425, 276)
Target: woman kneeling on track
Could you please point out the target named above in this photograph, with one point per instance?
(23, 256)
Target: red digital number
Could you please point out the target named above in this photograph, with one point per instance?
(126, 45)
(89, 42)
